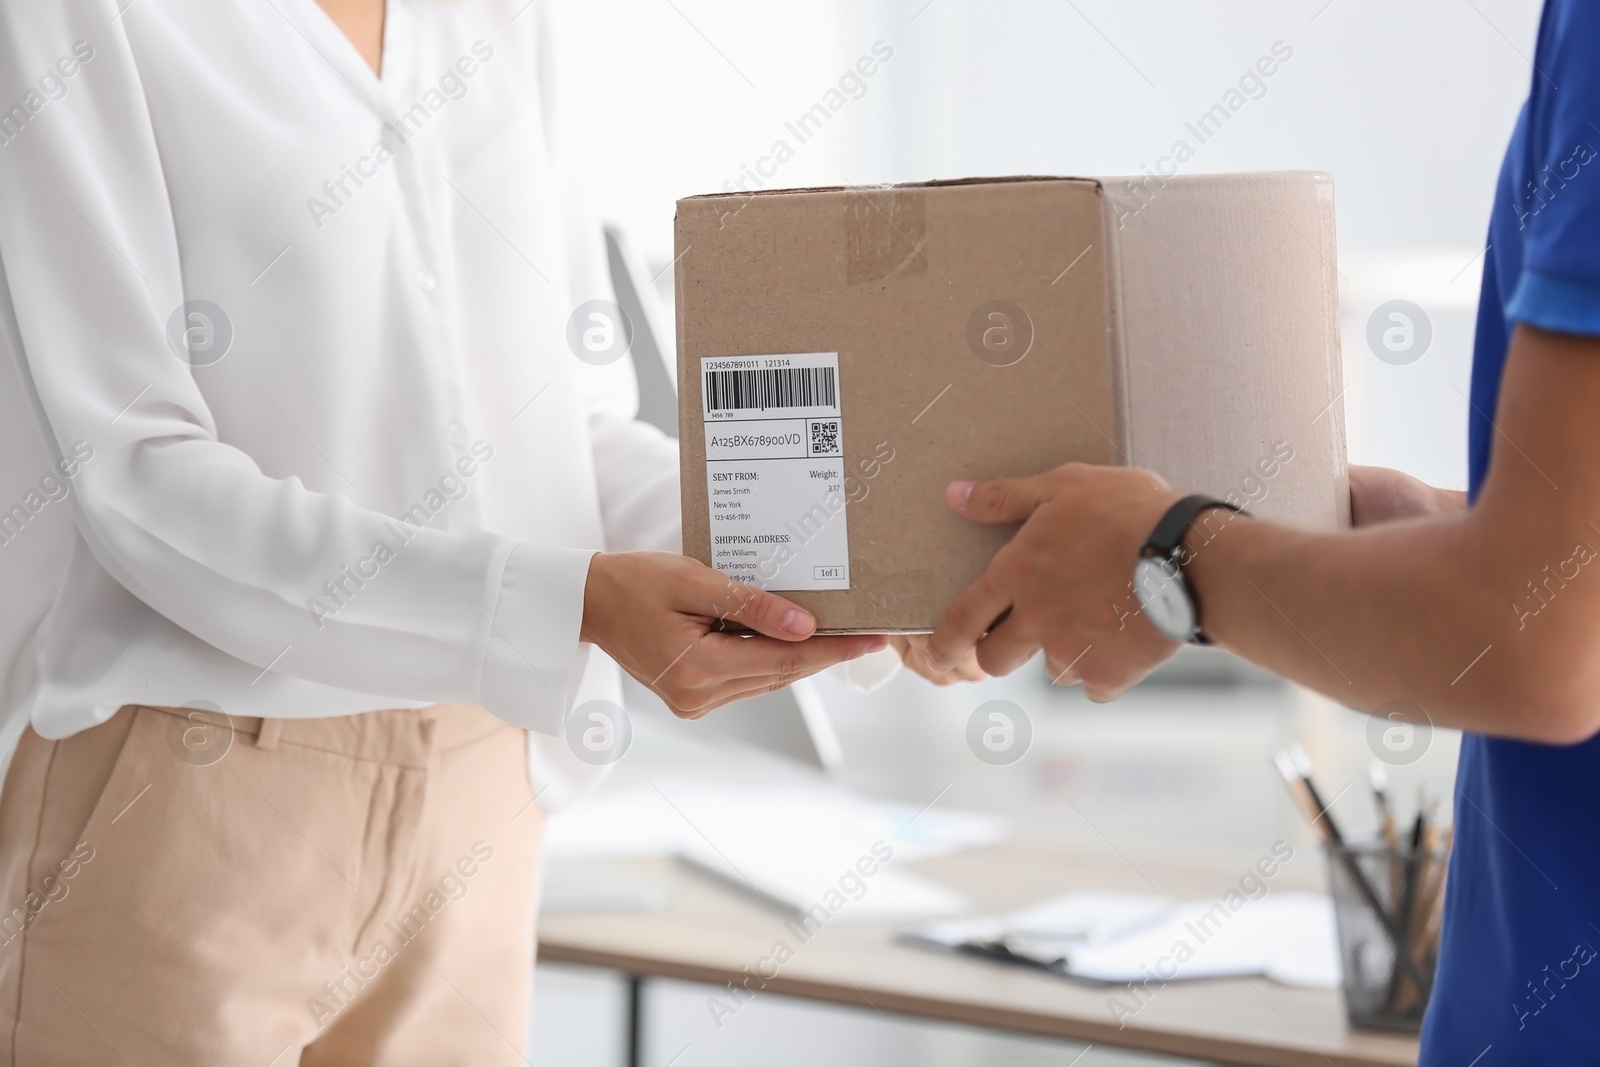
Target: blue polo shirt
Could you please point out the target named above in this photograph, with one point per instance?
(1519, 970)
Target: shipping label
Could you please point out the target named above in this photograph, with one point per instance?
(775, 470)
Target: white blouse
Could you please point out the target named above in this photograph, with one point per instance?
(299, 334)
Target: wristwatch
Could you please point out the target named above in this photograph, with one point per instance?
(1158, 576)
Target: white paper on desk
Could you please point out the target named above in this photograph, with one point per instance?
(1288, 937)
(589, 887)
(1045, 932)
(670, 816)
(797, 884)
(788, 844)
(1091, 917)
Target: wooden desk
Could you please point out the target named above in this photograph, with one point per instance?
(715, 932)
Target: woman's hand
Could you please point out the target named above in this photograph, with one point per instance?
(913, 649)
(659, 616)
(1378, 494)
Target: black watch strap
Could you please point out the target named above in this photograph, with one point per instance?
(1167, 541)
(1167, 538)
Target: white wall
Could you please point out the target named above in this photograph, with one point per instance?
(1408, 105)
(669, 98)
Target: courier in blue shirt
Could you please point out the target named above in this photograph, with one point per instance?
(1520, 962)
(1486, 617)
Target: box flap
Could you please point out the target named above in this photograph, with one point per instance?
(1225, 298)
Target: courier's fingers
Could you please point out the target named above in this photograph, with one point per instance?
(1007, 647)
(999, 502)
(966, 621)
(913, 649)
(968, 670)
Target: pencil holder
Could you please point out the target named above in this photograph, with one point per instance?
(1388, 905)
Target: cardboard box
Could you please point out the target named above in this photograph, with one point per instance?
(844, 354)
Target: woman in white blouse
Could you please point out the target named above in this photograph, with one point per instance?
(288, 287)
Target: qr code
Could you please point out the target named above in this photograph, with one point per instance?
(825, 437)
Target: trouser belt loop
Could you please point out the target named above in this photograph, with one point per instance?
(270, 730)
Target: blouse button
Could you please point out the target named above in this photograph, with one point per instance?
(427, 281)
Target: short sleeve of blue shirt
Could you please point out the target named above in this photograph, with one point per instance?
(1519, 963)
(1554, 184)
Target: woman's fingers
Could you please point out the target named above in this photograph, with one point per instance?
(743, 689)
(764, 612)
(726, 668)
(654, 613)
(760, 657)
(714, 668)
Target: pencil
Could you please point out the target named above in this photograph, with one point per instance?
(1302, 765)
(1380, 794)
(1295, 766)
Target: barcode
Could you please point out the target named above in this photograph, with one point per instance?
(785, 387)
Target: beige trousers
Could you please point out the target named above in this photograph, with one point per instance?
(343, 891)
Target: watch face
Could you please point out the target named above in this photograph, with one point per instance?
(1160, 589)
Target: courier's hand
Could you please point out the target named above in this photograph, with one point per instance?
(1063, 582)
(913, 649)
(656, 614)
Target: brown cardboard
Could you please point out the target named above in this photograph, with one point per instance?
(1186, 325)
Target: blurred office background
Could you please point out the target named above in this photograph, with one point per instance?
(1407, 105)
